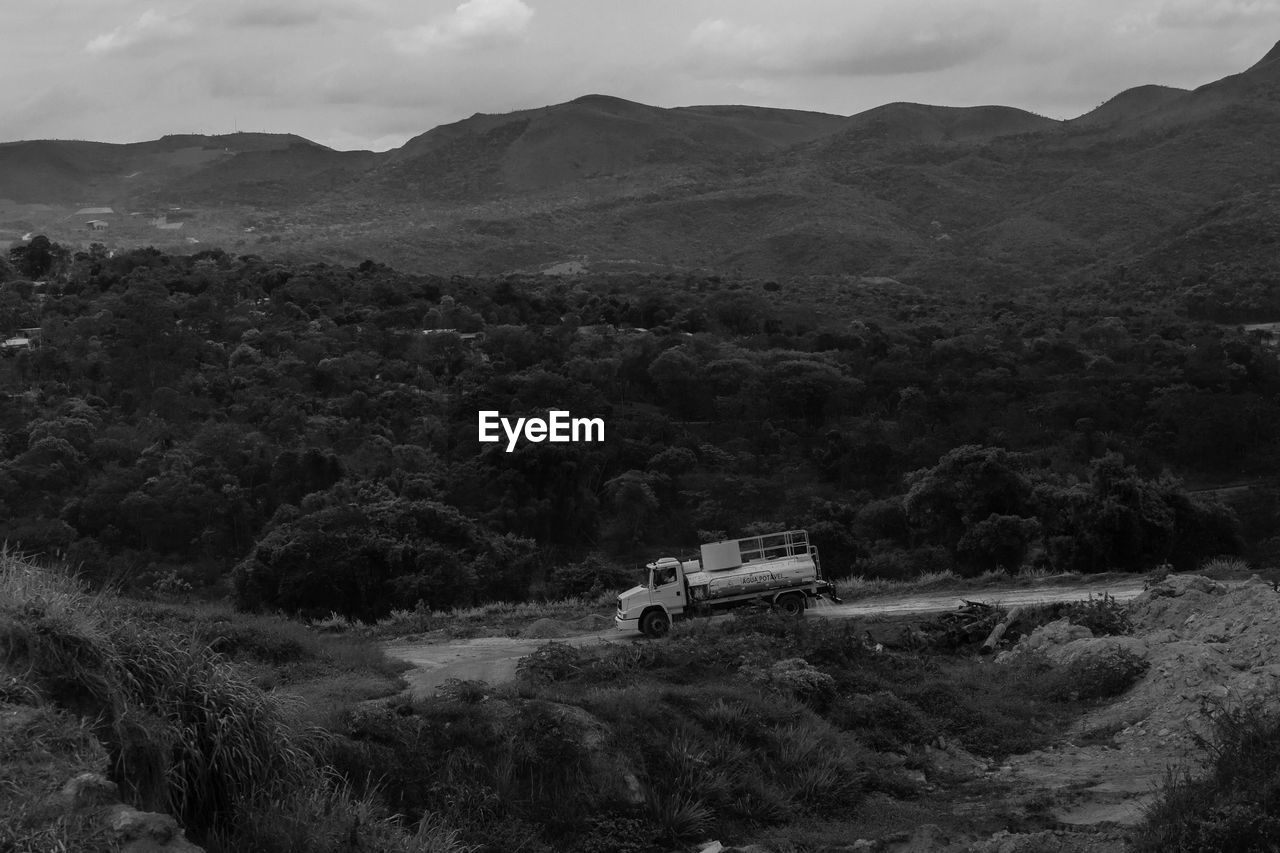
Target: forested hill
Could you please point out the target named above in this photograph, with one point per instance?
(315, 427)
(937, 196)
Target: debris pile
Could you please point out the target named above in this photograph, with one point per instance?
(971, 623)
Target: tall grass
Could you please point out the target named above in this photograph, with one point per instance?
(864, 587)
(860, 587)
(495, 614)
(1224, 568)
(185, 732)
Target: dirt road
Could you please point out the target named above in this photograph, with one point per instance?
(493, 659)
(940, 602)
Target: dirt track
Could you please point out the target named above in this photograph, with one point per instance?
(939, 602)
(493, 659)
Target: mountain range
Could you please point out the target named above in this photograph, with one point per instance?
(941, 196)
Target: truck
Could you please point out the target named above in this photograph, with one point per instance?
(778, 570)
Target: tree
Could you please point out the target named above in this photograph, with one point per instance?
(36, 259)
(362, 551)
(969, 485)
(809, 388)
(635, 504)
(1119, 520)
(996, 542)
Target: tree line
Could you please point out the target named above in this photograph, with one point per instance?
(304, 435)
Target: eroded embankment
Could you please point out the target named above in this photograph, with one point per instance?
(1206, 644)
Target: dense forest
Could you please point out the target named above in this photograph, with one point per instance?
(305, 436)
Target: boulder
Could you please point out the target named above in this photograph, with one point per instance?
(1096, 648)
(87, 791)
(146, 832)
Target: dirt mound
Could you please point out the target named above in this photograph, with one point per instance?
(1207, 643)
(592, 622)
(545, 629)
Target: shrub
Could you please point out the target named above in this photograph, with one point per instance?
(613, 833)
(549, 663)
(1101, 676)
(893, 565)
(590, 577)
(1237, 805)
(681, 817)
(794, 677)
(883, 721)
(1104, 616)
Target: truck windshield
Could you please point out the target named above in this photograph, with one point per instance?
(661, 577)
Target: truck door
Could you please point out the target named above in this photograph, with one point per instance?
(666, 581)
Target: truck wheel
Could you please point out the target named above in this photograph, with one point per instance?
(655, 623)
(791, 605)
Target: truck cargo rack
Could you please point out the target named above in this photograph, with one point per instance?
(773, 546)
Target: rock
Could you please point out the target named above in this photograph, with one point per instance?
(1056, 633)
(635, 792)
(146, 832)
(130, 830)
(88, 790)
(1175, 586)
(955, 763)
(1091, 647)
(129, 824)
(1049, 841)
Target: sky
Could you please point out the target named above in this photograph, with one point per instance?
(370, 74)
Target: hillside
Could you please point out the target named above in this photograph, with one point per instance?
(1129, 104)
(592, 137)
(986, 196)
(921, 123)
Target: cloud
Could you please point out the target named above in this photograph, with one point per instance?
(1196, 14)
(356, 15)
(151, 27)
(474, 24)
(277, 17)
(906, 45)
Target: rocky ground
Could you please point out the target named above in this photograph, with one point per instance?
(1206, 645)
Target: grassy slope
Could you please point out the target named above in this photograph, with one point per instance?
(141, 691)
(755, 728)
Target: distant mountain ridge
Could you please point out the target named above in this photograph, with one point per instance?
(988, 194)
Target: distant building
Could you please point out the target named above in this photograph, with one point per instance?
(97, 224)
(465, 337)
(24, 339)
(94, 211)
(161, 221)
